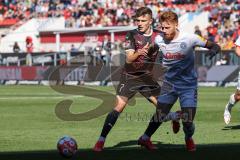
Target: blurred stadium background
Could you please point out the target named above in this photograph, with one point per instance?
(65, 32)
(39, 36)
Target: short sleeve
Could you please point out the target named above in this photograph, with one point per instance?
(198, 40)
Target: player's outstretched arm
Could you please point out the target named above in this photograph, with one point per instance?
(213, 49)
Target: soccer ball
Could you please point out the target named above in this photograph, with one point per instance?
(67, 146)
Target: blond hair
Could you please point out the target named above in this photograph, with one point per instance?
(169, 16)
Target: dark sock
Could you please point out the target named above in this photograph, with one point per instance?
(188, 129)
(152, 126)
(109, 122)
(157, 118)
(187, 121)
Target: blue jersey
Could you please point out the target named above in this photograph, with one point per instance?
(178, 58)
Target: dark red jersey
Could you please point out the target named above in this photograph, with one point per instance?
(136, 40)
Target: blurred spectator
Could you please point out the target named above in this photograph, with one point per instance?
(29, 44)
(91, 13)
(106, 49)
(197, 31)
(97, 54)
(29, 49)
(16, 48)
(224, 15)
(106, 44)
(73, 48)
(62, 55)
(212, 31)
(229, 43)
(224, 60)
(225, 18)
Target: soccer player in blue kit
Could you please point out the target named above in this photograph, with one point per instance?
(180, 79)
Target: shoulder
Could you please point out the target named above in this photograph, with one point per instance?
(131, 33)
(187, 35)
(193, 37)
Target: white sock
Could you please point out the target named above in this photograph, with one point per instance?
(145, 137)
(232, 99)
(231, 102)
(101, 139)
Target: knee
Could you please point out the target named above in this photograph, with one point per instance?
(236, 97)
(232, 98)
(188, 115)
(120, 105)
(152, 99)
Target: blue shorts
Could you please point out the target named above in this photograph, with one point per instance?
(170, 93)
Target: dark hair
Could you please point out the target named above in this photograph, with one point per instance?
(142, 11)
(168, 16)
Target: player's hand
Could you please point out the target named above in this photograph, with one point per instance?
(211, 54)
(144, 50)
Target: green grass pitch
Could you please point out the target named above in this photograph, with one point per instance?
(30, 129)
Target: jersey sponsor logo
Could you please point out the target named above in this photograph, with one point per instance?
(176, 56)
